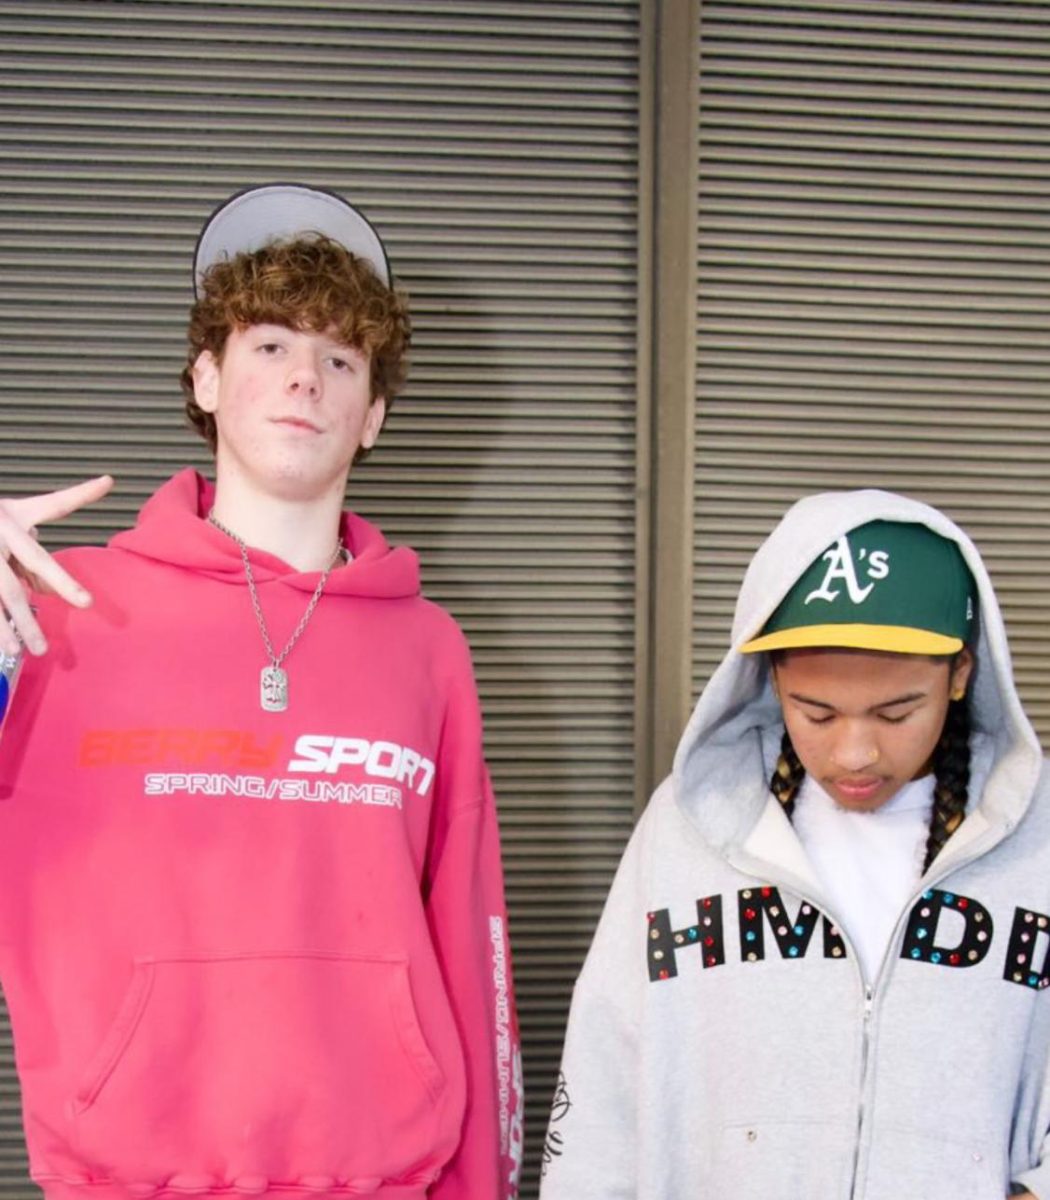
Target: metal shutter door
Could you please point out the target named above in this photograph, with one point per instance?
(495, 145)
(874, 284)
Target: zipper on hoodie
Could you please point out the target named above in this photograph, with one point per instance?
(865, 1041)
(975, 850)
(866, 1010)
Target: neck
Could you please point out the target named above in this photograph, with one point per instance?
(301, 533)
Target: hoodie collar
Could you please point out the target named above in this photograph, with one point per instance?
(172, 528)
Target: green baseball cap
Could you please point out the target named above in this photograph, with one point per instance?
(887, 585)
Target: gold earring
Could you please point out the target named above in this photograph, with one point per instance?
(957, 693)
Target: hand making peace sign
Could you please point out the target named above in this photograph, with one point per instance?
(23, 559)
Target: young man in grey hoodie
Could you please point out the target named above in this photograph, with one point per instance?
(820, 973)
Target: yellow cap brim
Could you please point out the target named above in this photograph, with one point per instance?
(896, 639)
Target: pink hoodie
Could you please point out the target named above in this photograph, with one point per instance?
(251, 953)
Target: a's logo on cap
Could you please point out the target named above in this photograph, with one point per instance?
(841, 567)
(907, 596)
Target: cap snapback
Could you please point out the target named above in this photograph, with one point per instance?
(251, 218)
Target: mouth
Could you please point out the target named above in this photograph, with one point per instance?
(857, 788)
(293, 422)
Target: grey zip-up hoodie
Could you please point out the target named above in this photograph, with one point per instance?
(722, 1043)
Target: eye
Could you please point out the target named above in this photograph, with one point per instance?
(270, 348)
(348, 360)
(894, 720)
(826, 720)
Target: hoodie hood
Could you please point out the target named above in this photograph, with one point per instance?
(737, 714)
(173, 528)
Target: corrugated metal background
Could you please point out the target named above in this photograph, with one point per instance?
(874, 284)
(496, 147)
(873, 301)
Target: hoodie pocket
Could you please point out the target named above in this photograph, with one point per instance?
(781, 1160)
(267, 1067)
(934, 1166)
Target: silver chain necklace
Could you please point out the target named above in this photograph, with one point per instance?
(273, 680)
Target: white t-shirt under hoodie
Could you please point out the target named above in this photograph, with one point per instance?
(869, 863)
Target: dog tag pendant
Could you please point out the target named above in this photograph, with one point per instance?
(273, 689)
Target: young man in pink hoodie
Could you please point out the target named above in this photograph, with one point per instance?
(252, 926)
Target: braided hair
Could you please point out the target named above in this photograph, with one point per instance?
(951, 770)
(787, 775)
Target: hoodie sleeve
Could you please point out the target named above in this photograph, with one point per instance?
(591, 1147)
(468, 923)
(1037, 1178)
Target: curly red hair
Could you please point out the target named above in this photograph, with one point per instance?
(309, 283)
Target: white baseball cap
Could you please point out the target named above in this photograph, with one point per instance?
(250, 219)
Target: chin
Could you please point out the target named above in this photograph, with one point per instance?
(869, 804)
(299, 483)
(296, 475)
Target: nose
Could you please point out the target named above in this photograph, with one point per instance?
(855, 749)
(304, 378)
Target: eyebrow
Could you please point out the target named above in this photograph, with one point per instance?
(910, 698)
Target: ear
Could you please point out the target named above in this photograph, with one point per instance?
(373, 422)
(961, 673)
(206, 381)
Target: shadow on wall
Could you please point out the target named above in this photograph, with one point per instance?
(455, 477)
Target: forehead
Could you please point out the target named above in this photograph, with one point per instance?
(861, 673)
